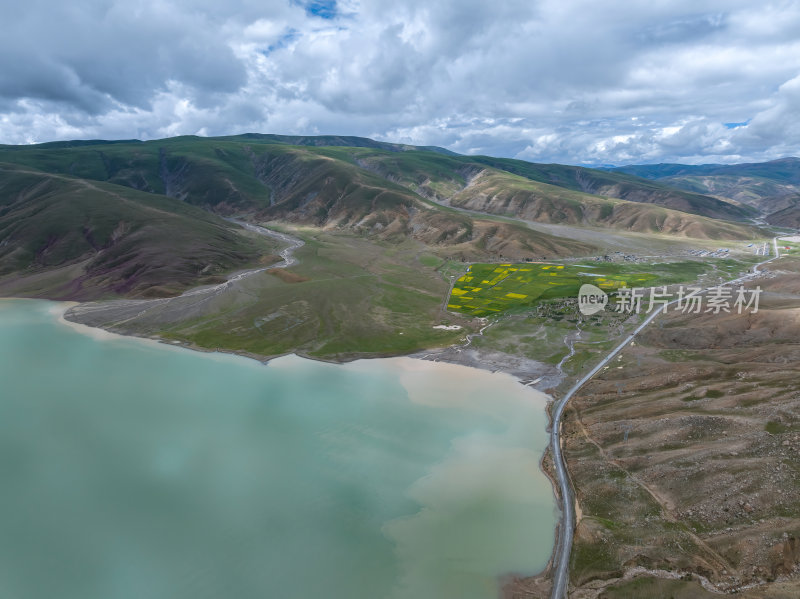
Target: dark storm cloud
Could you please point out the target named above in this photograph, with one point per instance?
(554, 80)
(93, 55)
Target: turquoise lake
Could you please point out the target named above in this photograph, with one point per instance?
(136, 470)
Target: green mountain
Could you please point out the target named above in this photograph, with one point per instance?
(784, 170)
(92, 218)
(767, 186)
(786, 217)
(622, 186)
(108, 219)
(375, 184)
(62, 237)
(473, 184)
(335, 140)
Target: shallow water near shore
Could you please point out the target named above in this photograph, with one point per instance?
(132, 469)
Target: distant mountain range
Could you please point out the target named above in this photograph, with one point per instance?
(768, 186)
(143, 217)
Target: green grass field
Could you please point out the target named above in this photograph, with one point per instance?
(488, 289)
(793, 248)
(352, 298)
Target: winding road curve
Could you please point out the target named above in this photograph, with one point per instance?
(567, 525)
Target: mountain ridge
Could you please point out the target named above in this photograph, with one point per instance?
(464, 207)
(574, 178)
(232, 176)
(769, 187)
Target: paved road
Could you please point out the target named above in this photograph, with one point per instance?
(567, 528)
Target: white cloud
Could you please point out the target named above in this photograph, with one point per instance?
(573, 81)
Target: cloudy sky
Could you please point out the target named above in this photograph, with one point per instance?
(571, 81)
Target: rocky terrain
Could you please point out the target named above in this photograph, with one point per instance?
(685, 455)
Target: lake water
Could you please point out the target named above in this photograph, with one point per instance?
(132, 469)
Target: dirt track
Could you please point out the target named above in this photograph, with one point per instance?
(685, 453)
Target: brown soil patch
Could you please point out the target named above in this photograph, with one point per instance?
(287, 276)
(685, 452)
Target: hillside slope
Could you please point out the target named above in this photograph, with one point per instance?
(768, 186)
(474, 186)
(62, 237)
(343, 185)
(335, 140)
(621, 186)
(679, 455)
(324, 188)
(788, 217)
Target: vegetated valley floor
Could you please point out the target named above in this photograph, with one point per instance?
(348, 297)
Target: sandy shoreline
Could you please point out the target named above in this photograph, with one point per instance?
(60, 308)
(537, 375)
